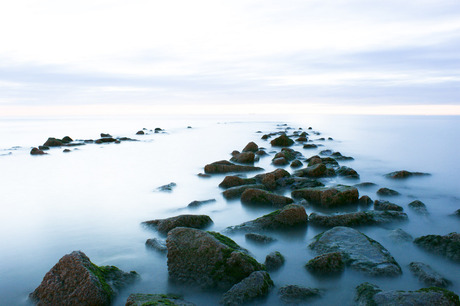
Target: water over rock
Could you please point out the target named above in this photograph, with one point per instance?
(157, 244)
(259, 238)
(418, 207)
(387, 192)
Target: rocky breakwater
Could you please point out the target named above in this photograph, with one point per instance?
(207, 259)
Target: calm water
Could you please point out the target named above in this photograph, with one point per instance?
(94, 198)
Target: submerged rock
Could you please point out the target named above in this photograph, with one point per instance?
(207, 259)
(357, 218)
(141, 299)
(157, 244)
(194, 221)
(329, 263)
(448, 245)
(365, 185)
(359, 251)
(293, 294)
(75, 280)
(233, 181)
(224, 166)
(282, 141)
(328, 196)
(196, 204)
(256, 285)
(419, 207)
(427, 275)
(262, 197)
(387, 192)
(398, 235)
(258, 238)
(402, 174)
(274, 261)
(236, 192)
(385, 205)
(370, 294)
(169, 187)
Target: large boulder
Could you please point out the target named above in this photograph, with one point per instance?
(402, 174)
(289, 216)
(233, 181)
(140, 299)
(207, 259)
(448, 245)
(194, 221)
(359, 251)
(370, 294)
(75, 280)
(427, 275)
(224, 166)
(357, 218)
(328, 196)
(282, 141)
(262, 197)
(254, 286)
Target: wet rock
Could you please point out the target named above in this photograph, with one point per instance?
(282, 141)
(140, 133)
(105, 135)
(387, 192)
(256, 285)
(196, 204)
(261, 153)
(258, 238)
(36, 151)
(43, 148)
(66, 151)
(365, 185)
(385, 205)
(75, 280)
(419, 207)
(265, 137)
(310, 146)
(262, 197)
(141, 299)
(359, 251)
(251, 147)
(330, 162)
(168, 188)
(224, 166)
(244, 158)
(236, 192)
(53, 142)
(365, 201)
(347, 172)
(325, 152)
(293, 294)
(317, 170)
(194, 221)
(314, 160)
(295, 183)
(105, 140)
(204, 175)
(280, 161)
(66, 139)
(329, 263)
(448, 245)
(207, 259)
(157, 244)
(289, 216)
(269, 181)
(278, 173)
(302, 139)
(339, 156)
(370, 294)
(233, 181)
(328, 196)
(398, 235)
(457, 213)
(427, 275)
(296, 163)
(274, 261)
(357, 218)
(402, 174)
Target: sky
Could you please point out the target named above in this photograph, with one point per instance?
(138, 56)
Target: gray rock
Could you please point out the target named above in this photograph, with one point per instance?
(357, 218)
(347, 172)
(256, 285)
(387, 192)
(196, 204)
(365, 185)
(293, 294)
(365, 201)
(258, 238)
(448, 245)
(419, 207)
(157, 244)
(274, 261)
(369, 294)
(427, 275)
(402, 174)
(328, 196)
(194, 221)
(140, 299)
(224, 166)
(398, 235)
(385, 205)
(360, 252)
(262, 197)
(329, 263)
(168, 188)
(207, 259)
(295, 183)
(236, 192)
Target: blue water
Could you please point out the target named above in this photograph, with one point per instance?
(93, 199)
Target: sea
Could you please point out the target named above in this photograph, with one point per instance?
(95, 197)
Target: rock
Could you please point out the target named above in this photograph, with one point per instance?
(66, 151)
(105, 135)
(265, 137)
(314, 160)
(387, 192)
(66, 139)
(402, 174)
(302, 139)
(365, 185)
(330, 162)
(258, 238)
(105, 140)
(282, 141)
(310, 146)
(274, 261)
(224, 166)
(357, 218)
(157, 244)
(369, 294)
(280, 161)
(269, 181)
(140, 133)
(140, 299)
(244, 158)
(207, 259)
(194, 221)
(195, 204)
(203, 175)
(365, 201)
(43, 148)
(448, 245)
(289, 216)
(261, 153)
(385, 205)
(75, 280)
(254, 286)
(293, 294)
(347, 172)
(325, 152)
(236, 192)
(157, 130)
(328, 196)
(296, 163)
(278, 173)
(398, 235)
(233, 181)
(457, 213)
(36, 151)
(329, 263)
(53, 142)
(169, 187)
(251, 147)
(317, 170)
(427, 275)
(295, 183)
(339, 156)
(262, 197)
(419, 207)
(359, 251)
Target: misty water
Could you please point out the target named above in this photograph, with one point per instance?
(94, 198)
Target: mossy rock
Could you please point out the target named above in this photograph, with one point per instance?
(448, 245)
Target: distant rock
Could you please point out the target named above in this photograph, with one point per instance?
(402, 174)
(75, 280)
(302, 139)
(106, 140)
(339, 156)
(256, 285)
(326, 264)
(53, 142)
(262, 197)
(195, 204)
(448, 245)
(258, 238)
(360, 218)
(310, 146)
(66, 151)
(338, 195)
(66, 139)
(194, 221)
(347, 172)
(419, 207)
(251, 147)
(140, 299)
(427, 275)
(399, 236)
(359, 251)
(325, 152)
(387, 192)
(43, 148)
(105, 135)
(282, 141)
(365, 185)
(370, 294)
(293, 294)
(157, 244)
(169, 187)
(224, 166)
(274, 261)
(140, 133)
(36, 151)
(236, 192)
(457, 213)
(385, 205)
(295, 183)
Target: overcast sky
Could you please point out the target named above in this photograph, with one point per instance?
(148, 53)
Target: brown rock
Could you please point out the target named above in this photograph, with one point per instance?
(262, 197)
